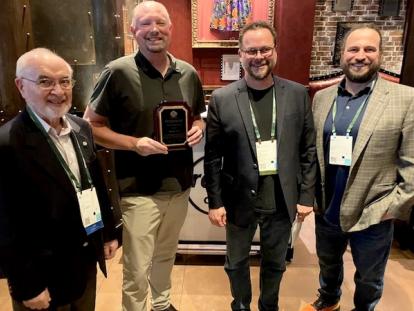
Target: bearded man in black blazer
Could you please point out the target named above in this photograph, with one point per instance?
(259, 165)
(52, 230)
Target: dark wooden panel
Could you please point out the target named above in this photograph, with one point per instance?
(15, 39)
(389, 7)
(66, 28)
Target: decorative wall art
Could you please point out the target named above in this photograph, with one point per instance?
(216, 23)
(230, 67)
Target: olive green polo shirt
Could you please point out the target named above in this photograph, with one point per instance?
(127, 92)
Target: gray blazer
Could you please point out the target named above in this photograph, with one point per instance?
(381, 177)
(230, 164)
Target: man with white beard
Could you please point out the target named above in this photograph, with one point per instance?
(54, 211)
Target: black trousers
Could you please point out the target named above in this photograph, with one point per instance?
(274, 237)
(84, 303)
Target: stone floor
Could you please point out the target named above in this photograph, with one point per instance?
(199, 282)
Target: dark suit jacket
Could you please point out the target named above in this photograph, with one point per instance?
(230, 164)
(42, 239)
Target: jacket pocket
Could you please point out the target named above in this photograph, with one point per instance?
(226, 178)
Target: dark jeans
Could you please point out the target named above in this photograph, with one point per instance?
(370, 249)
(274, 238)
(84, 303)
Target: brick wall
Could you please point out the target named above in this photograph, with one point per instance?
(392, 28)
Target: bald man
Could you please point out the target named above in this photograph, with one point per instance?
(154, 182)
(54, 212)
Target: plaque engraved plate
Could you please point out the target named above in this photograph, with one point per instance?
(172, 121)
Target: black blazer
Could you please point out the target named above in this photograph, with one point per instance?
(230, 164)
(42, 239)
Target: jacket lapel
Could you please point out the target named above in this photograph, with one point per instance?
(375, 107)
(83, 145)
(322, 111)
(40, 152)
(38, 149)
(81, 139)
(373, 112)
(280, 107)
(242, 100)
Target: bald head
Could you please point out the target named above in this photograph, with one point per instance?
(146, 7)
(152, 29)
(30, 60)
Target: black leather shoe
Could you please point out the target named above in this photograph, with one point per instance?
(321, 305)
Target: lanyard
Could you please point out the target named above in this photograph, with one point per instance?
(351, 125)
(256, 129)
(62, 162)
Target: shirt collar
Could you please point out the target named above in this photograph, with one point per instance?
(149, 69)
(48, 129)
(343, 92)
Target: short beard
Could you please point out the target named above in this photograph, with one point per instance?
(161, 48)
(358, 78)
(156, 50)
(56, 113)
(261, 76)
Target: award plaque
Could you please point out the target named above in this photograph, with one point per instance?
(172, 121)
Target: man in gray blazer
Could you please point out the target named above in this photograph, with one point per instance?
(260, 165)
(365, 149)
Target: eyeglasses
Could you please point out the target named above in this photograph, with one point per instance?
(265, 51)
(49, 84)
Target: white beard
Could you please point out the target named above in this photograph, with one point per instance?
(51, 113)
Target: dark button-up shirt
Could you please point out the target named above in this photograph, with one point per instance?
(347, 106)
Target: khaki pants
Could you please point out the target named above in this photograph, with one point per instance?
(150, 237)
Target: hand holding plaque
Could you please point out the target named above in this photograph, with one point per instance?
(172, 121)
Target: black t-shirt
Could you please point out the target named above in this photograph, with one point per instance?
(262, 105)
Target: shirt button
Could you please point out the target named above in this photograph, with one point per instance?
(255, 166)
(85, 244)
(253, 192)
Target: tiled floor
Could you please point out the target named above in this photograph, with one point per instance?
(199, 283)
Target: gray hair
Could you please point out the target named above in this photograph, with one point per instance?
(23, 62)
